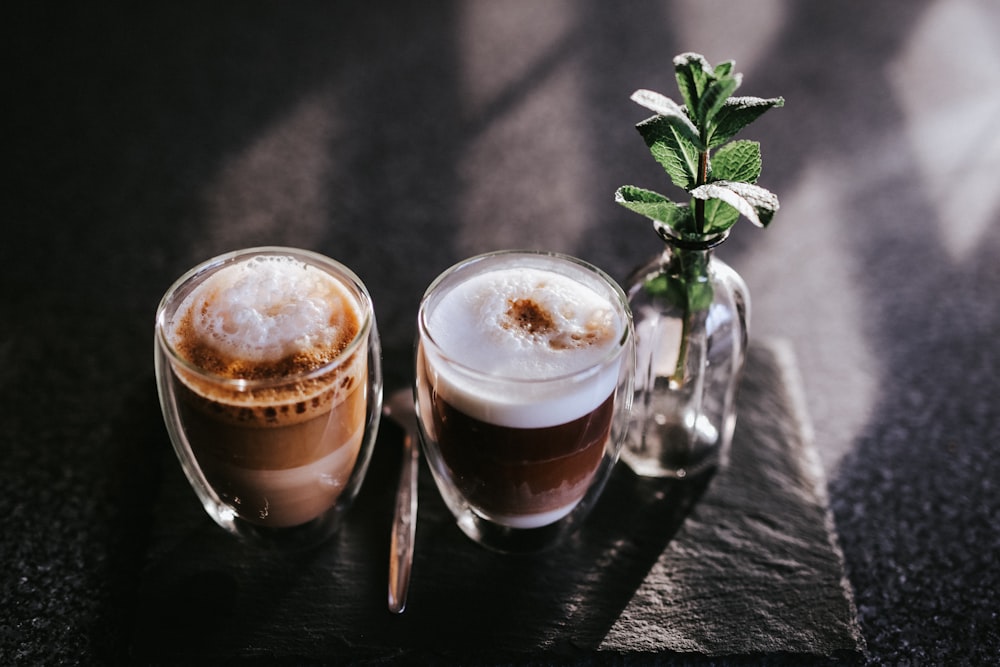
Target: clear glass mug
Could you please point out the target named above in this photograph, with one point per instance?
(521, 448)
(268, 368)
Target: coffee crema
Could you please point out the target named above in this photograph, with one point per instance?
(519, 431)
(273, 410)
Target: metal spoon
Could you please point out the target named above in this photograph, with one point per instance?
(399, 407)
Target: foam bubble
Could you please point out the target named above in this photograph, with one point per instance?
(267, 309)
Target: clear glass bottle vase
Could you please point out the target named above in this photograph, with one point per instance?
(691, 314)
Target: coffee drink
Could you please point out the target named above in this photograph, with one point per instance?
(269, 371)
(517, 370)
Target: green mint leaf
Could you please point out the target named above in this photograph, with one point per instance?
(719, 216)
(724, 69)
(653, 205)
(737, 161)
(714, 98)
(737, 113)
(752, 201)
(672, 149)
(693, 74)
(674, 114)
(682, 139)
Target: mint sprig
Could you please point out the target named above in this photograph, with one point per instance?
(721, 187)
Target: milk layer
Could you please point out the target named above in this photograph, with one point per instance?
(288, 497)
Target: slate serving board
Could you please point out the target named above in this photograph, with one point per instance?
(742, 563)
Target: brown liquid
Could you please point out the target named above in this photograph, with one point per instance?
(520, 471)
(276, 474)
(279, 453)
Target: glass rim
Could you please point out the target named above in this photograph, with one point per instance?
(616, 350)
(341, 272)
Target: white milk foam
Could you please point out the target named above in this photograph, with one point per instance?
(267, 308)
(568, 328)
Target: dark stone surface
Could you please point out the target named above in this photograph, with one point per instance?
(140, 139)
(739, 563)
(755, 567)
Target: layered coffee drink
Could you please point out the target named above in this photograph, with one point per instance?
(517, 370)
(268, 367)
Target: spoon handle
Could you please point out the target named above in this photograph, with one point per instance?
(403, 528)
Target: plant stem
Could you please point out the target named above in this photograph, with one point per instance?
(699, 204)
(680, 369)
(685, 260)
(686, 322)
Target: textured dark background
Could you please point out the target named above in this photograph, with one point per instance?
(400, 137)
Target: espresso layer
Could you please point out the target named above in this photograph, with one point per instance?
(271, 445)
(508, 471)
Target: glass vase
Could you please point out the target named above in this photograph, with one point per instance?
(691, 314)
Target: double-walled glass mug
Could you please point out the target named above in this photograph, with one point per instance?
(524, 365)
(268, 368)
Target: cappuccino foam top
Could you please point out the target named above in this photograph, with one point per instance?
(522, 323)
(267, 316)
